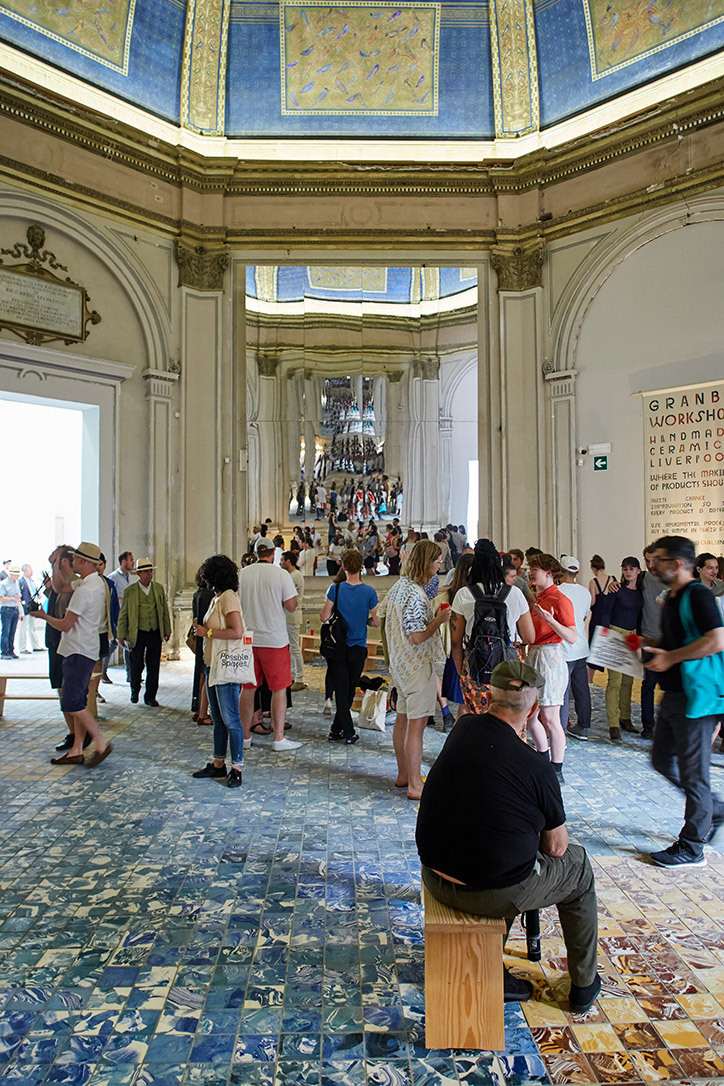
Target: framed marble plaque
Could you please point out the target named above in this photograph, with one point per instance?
(38, 304)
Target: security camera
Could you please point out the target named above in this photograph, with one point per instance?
(582, 451)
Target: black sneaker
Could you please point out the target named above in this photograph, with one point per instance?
(66, 744)
(350, 739)
(581, 1000)
(515, 989)
(647, 731)
(211, 770)
(577, 732)
(676, 856)
(234, 778)
(334, 737)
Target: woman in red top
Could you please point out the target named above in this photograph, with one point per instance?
(554, 622)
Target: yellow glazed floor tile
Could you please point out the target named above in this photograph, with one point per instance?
(701, 1005)
(680, 1034)
(599, 1037)
(543, 1014)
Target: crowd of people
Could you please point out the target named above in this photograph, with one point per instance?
(503, 635)
(348, 500)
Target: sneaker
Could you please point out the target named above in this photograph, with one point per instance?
(327, 710)
(247, 744)
(647, 731)
(285, 744)
(515, 989)
(581, 1000)
(559, 776)
(350, 739)
(333, 737)
(577, 732)
(234, 778)
(210, 770)
(676, 856)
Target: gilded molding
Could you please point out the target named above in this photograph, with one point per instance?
(203, 80)
(200, 268)
(519, 269)
(267, 364)
(514, 68)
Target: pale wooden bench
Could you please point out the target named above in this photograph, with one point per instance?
(4, 696)
(310, 648)
(463, 978)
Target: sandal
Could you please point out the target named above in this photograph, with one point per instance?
(259, 729)
(204, 720)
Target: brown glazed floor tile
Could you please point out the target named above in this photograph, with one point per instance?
(555, 1041)
(662, 1007)
(637, 1035)
(613, 1067)
(700, 1062)
(712, 1029)
(569, 1067)
(656, 1065)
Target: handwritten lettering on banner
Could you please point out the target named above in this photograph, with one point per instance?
(684, 464)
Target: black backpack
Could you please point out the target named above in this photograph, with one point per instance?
(489, 643)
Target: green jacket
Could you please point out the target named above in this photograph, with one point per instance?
(127, 628)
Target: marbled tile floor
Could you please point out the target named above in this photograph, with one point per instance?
(159, 929)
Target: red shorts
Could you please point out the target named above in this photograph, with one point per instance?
(274, 665)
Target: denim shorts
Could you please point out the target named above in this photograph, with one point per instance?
(77, 671)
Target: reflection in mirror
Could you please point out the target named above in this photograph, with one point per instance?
(362, 393)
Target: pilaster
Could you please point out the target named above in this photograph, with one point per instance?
(562, 528)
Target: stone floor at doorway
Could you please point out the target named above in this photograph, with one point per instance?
(156, 929)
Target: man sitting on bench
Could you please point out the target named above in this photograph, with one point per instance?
(491, 832)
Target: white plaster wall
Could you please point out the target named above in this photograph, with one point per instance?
(460, 398)
(657, 322)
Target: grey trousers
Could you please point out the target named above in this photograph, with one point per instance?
(564, 881)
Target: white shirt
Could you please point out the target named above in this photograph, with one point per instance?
(88, 602)
(305, 563)
(580, 597)
(515, 604)
(263, 588)
(121, 580)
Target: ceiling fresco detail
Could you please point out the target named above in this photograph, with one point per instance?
(436, 70)
(620, 32)
(355, 284)
(358, 58)
(101, 31)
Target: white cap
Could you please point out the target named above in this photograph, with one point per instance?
(569, 563)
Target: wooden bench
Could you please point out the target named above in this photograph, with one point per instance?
(463, 978)
(4, 696)
(310, 648)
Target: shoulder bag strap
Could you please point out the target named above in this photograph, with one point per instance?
(687, 618)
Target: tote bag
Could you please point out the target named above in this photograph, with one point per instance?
(232, 661)
(703, 680)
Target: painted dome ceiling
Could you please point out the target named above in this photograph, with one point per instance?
(288, 287)
(431, 70)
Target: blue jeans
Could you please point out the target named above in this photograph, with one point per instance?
(224, 710)
(681, 752)
(9, 618)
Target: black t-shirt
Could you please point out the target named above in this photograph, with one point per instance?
(705, 614)
(485, 801)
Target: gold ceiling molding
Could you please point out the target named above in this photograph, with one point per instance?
(203, 78)
(514, 69)
(120, 143)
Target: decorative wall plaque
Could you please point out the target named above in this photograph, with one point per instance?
(37, 304)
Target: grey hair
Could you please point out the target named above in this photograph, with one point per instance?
(520, 700)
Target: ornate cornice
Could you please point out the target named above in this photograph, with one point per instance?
(200, 268)
(518, 269)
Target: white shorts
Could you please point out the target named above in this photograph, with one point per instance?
(417, 694)
(549, 663)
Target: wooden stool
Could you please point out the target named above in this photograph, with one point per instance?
(463, 978)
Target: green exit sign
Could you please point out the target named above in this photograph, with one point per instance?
(600, 463)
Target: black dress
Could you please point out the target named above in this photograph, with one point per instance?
(200, 605)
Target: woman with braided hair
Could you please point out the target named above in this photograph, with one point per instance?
(487, 573)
